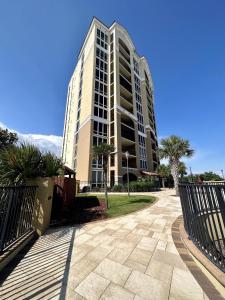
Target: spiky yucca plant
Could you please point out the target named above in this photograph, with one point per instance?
(17, 163)
(174, 148)
(51, 165)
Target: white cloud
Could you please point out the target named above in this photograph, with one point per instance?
(52, 143)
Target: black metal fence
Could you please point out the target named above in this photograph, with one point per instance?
(203, 207)
(16, 213)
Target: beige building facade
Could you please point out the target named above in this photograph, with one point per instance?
(110, 100)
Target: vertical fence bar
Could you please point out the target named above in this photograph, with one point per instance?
(203, 207)
(6, 219)
(16, 213)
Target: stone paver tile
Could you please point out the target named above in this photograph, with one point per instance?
(115, 292)
(147, 287)
(99, 253)
(96, 229)
(71, 295)
(121, 233)
(160, 271)
(141, 231)
(120, 254)
(184, 286)
(79, 271)
(113, 226)
(113, 271)
(135, 238)
(130, 225)
(82, 239)
(135, 265)
(169, 258)
(80, 251)
(92, 287)
(123, 243)
(161, 245)
(171, 248)
(141, 256)
(160, 236)
(147, 243)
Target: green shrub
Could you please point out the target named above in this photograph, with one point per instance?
(118, 188)
(137, 186)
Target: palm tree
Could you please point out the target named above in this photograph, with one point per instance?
(164, 172)
(104, 151)
(174, 148)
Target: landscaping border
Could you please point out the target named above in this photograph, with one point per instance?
(186, 249)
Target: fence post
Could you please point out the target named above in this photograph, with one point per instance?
(5, 221)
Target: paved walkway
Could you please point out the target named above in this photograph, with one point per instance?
(131, 257)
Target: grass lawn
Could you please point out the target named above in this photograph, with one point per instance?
(122, 204)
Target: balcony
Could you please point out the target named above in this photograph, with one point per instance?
(125, 73)
(124, 93)
(126, 84)
(127, 133)
(127, 121)
(132, 164)
(126, 105)
(131, 149)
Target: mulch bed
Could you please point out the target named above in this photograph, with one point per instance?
(83, 210)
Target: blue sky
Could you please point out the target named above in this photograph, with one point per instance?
(184, 42)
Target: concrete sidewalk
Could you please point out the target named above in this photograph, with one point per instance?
(130, 257)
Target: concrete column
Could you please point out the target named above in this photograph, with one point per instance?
(43, 203)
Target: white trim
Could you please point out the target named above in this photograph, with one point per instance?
(117, 106)
(142, 134)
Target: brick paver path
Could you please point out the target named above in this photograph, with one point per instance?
(130, 257)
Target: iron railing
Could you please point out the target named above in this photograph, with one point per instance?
(203, 207)
(16, 213)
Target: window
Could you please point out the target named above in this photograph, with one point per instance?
(102, 39)
(100, 128)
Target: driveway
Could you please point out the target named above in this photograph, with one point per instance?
(130, 257)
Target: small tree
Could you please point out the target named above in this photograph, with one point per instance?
(104, 151)
(174, 148)
(164, 172)
(7, 138)
(182, 169)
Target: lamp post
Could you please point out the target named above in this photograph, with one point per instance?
(222, 173)
(128, 182)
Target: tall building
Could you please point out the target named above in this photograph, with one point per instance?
(110, 100)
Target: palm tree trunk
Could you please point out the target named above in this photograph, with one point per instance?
(163, 182)
(175, 173)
